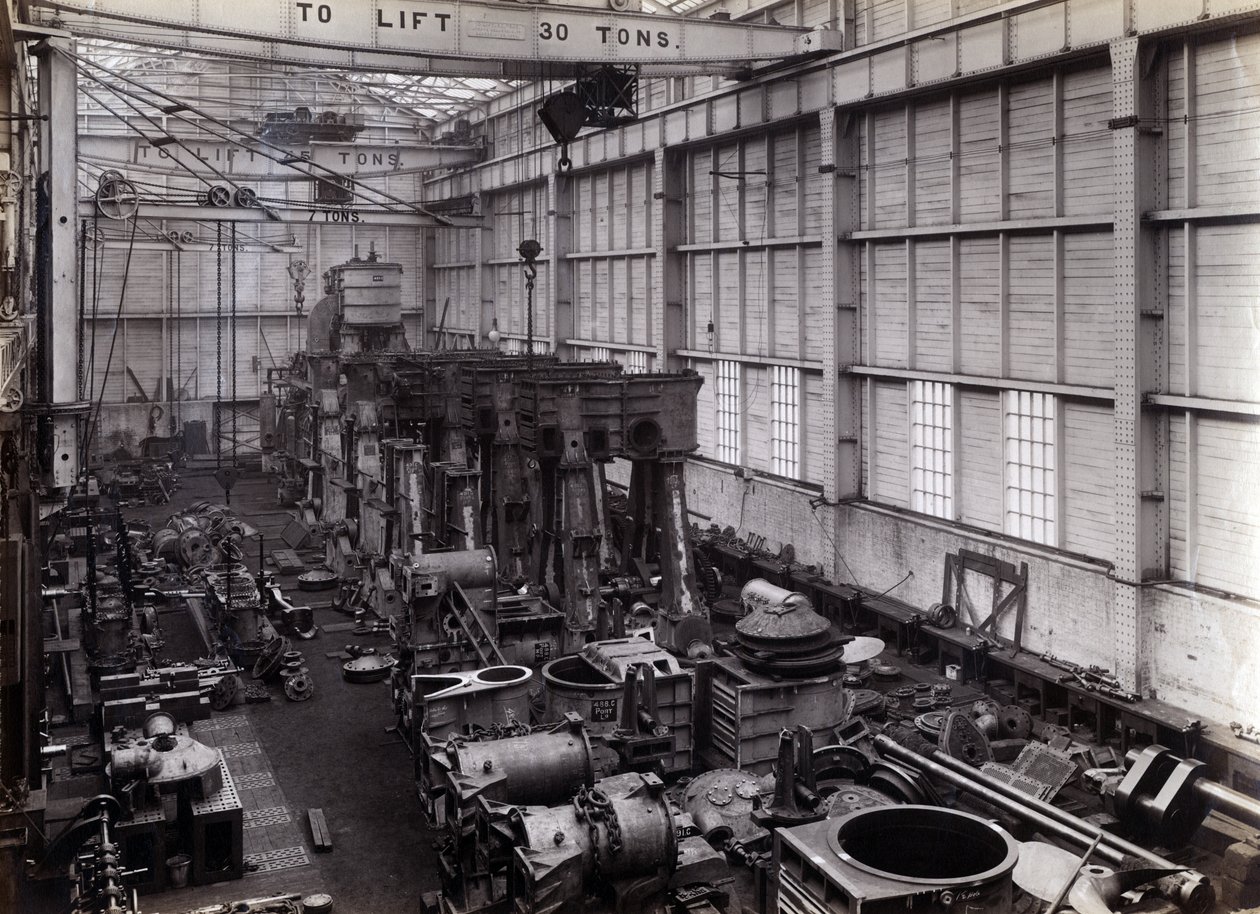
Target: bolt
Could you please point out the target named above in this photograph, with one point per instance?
(558, 837)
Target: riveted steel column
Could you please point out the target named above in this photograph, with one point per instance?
(842, 261)
(58, 387)
(483, 274)
(560, 278)
(1141, 519)
(668, 316)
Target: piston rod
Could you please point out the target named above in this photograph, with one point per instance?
(1189, 889)
(1228, 802)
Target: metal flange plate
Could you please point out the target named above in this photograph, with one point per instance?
(371, 668)
(320, 579)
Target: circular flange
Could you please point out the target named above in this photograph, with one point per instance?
(885, 671)
(371, 668)
(299, 687)
(930, 724)
(867, 701)
(319, 579)
(1014, 722)
(863, 648)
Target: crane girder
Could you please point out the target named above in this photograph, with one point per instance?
(440, 37)
(252, 162)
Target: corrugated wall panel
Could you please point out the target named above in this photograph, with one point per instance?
(979, 284)
(814, 447)
(980, 461)
(891, 482)
(699, 196)
(932, 133)
(888, 170)
(1087, 477)
(620, 297)
(756, 417)
(785, 182)
(1176, 322)
(818, 303)
(1031, 298)
(979, 160)
(141, 351)
(729, 267)
(756, 336)
(785, 273)
(923, 13)
(1089, 319)
(754, 190)
(618, 196)
(1179, 567)
(1228, 506)
(1030, 132)
(1087, 142)
(818, 186)
(726, 202)
(1226, 283)
(1228, 113)
(934, 347)
(700, 278)
(888, 18)
(1175, 127)
(705, 409)
(889, 295)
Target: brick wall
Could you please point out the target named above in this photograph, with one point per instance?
(1203, 651)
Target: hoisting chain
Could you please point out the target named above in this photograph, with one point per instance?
(531, 273)
(529, 251)
(218, 346)
(232, 330)
(78, 368)
(594, 806)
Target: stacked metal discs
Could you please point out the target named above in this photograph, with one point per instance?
(782, 634)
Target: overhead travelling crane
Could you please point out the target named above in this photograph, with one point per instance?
(468, 38)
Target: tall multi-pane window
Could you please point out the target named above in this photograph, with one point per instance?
(785, 421)
(932, 448)
(636, 361)
(1030, 466)
(598, 354)
(727, 399)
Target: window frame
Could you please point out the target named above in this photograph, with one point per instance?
(1030, 462)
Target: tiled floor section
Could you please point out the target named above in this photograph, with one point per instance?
(273, 839)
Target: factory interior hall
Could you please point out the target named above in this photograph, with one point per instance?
(630, 457)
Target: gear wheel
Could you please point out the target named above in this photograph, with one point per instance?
(224, 692)
(271, 658)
